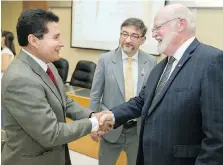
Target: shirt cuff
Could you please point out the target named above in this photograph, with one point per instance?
(94, 123)
(113, 117)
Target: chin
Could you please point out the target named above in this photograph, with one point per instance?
(128, 51)
(56, 59)
(161, 49)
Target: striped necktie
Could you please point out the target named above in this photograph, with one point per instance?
(51, 75)
(165, 76)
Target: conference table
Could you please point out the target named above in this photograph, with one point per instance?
(86, 145)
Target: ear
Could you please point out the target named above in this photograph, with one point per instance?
(143, 40)
(3, 38)
(182, 24)
(33, 40)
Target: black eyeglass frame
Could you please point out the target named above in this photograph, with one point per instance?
(157, 28)
(132, 37)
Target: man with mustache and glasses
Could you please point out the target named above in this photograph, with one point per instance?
(119, 76)
(181, 104)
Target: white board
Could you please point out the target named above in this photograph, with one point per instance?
(96, 23)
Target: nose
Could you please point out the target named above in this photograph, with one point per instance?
(61, 43)
(154, 33)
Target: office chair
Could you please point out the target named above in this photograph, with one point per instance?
(83, 74)
(62, 66)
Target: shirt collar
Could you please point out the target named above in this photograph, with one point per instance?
(40, 62)
(135, 56)
(180, 51)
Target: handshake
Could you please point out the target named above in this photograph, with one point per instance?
(106, 123)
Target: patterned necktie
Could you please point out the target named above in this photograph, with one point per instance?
(50, 74)
(129, 85)
(165, 76)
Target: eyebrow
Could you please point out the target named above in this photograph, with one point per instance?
(56, 35)
(132, 33)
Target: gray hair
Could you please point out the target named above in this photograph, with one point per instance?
(138, 23)
(184, 12)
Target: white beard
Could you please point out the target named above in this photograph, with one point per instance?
(162, 46)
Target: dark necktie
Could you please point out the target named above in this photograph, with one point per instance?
(50, 74)
(165, 76)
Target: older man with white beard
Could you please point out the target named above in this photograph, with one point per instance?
(181, 104)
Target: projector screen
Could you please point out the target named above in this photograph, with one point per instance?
(96, 24)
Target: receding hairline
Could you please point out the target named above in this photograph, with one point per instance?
(175, 10)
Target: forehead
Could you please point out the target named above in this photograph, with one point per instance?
(161, 17)
(53, 28)
(131, 29)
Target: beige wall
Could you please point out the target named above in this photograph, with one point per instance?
(10, 12)
(210, 26)
(209, 30)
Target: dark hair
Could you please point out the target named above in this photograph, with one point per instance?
(33, 21)
(9, 37)
(136, 22)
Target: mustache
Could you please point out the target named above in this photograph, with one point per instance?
(123, 44)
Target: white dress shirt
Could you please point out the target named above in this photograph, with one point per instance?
(6, 51)
(134, 68)
(40, 62)
(179, 53)
(94, 121)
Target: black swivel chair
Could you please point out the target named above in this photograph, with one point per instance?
(83, 74)
(62, 66)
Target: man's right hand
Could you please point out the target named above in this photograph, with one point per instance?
(105, 124)
(95, 136)
(106, 117)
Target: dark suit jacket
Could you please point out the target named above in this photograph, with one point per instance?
(185, 124)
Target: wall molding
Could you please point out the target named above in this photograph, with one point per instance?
(59, 4)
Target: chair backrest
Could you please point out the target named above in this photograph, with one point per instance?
(83, 74)
(62, 66)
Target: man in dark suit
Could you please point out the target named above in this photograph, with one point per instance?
(181, 105)
(33, 97)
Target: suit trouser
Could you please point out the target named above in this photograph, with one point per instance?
(67, 156)
(128, 142)
(2, 119)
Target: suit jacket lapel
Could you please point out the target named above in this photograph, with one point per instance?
(60, 85)
(39, 71)
(142, 61)
(186, 56)
(155, 75)
(118, 70)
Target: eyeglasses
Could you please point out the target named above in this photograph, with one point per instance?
(157, 28)
(133, 37)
